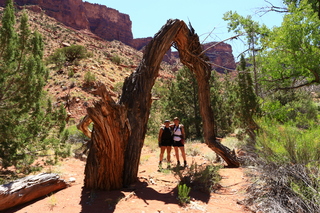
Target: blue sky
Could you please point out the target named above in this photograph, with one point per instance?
(205, 15)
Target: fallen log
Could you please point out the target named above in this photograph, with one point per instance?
(29, 188)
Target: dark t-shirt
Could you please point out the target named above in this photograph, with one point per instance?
(166, 137)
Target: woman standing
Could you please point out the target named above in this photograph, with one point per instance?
(178, 140)
(165, 141)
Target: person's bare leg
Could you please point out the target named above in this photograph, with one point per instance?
(168, 153)
(162, 149)
(168, 156)
(176, 150)
(183, 153)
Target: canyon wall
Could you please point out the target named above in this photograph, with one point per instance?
(220, 54)
(110, 24)
(105, 22)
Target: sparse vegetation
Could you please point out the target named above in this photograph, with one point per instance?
(200, 177)
(183, 194)
(89, 78)
(116, 59)
(68, 54)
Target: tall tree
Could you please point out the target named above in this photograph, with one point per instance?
(315, 4)
(248, 103)
(28, 120)
(183, 102)
(291, 57)
(252, 32)
(223, 98)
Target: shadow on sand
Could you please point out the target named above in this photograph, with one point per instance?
(106, 201)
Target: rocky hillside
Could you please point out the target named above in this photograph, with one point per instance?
(109, 24)
(67, 85)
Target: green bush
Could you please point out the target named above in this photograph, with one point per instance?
(288, 144)
(288, 165)
(89, 78)
(203, 178)
(289, 106)
(71, 54)
(116, 59)
(183, 194)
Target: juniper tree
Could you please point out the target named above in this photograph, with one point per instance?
(29, 122)
(247, 103)
(183, 102)
(223, 98)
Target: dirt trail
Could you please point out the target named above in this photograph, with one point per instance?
(154, 192)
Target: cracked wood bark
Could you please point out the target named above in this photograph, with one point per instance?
(190, 53)
(29, 188)
(115, 151)
(104, 167)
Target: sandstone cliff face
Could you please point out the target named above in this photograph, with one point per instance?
(105, 22)
(69, 12)
(139, 43)
(221, 55)
(109, 23)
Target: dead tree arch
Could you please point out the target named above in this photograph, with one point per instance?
(119, 128)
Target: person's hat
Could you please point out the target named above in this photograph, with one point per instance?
(166, 121)
(176, 118)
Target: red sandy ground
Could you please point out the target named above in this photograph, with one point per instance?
(155, 192)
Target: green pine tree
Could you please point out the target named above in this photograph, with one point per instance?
(223, 100)
(248, 105)
(183, 102)
(30, 125)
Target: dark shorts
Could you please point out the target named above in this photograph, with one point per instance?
(177, 143)
(166, 142)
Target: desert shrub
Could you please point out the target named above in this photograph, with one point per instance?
(116, 59)
(117, 88)
(284, 188)
(288, 168)
(183, 194)
(71, 54)
(89, 78)
(200, 177)
(288, 144)
(193, 151)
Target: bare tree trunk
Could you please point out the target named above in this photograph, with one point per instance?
(119, 129)
(136, 95)
(190, 55)
(105, 161)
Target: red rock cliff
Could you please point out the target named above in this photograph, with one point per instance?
(105, 22)
(109, 23)
(221, 55)
(69, 12)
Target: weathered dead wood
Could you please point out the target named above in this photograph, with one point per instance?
(29, 188)
(83, 126)
(136, 95)
(119, 128)
(104, 167)
(190, 52)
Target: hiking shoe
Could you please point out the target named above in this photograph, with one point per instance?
(168, 166)
(178, 163)
(185, 165)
